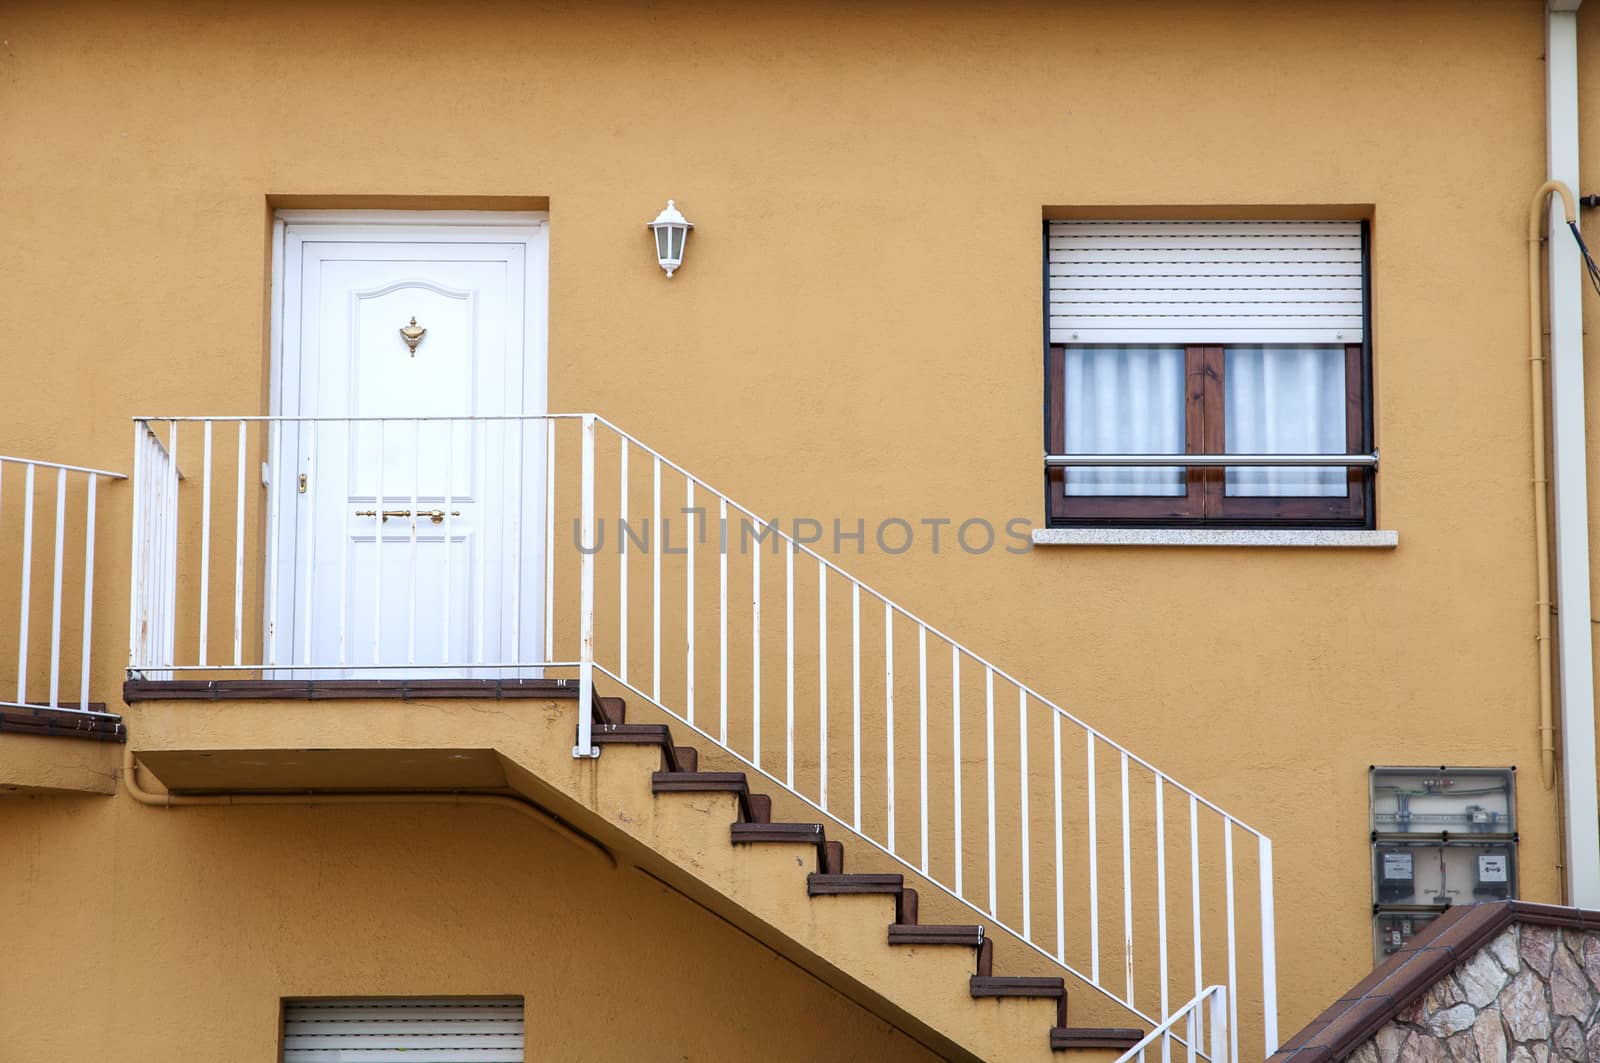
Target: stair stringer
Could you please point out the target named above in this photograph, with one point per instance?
(682, 840)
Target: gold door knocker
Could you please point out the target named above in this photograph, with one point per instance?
(413, 334)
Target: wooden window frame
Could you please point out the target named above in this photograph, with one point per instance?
(1205, 500)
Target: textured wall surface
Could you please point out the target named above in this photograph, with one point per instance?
(856, 332)
(1530, 995)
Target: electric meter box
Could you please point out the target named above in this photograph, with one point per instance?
(1440, 836)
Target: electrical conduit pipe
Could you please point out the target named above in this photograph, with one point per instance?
(1541, 519)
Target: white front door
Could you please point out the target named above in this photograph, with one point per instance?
(410, 503)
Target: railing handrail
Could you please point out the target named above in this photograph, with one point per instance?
(932, 629)
(1354, 461)
(772, 528)
(36, 463)
(1220, 1037)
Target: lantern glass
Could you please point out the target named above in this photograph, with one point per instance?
(662, 240)
(675, 242)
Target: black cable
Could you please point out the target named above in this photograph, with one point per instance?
(1588, 259)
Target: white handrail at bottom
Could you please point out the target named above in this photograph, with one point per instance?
(1194, 1013)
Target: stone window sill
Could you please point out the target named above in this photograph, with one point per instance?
(1338, 538)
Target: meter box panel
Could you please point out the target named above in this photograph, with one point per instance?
(1440, 837)
(1443, 801)
(1442, 873)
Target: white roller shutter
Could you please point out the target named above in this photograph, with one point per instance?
(1205, 282)
(403, 1030)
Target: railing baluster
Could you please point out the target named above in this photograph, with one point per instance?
(1027, 822)
(517, 654)
(88, 591)
(888, 713)
(136, 585)
(989, 751)
(205, 542)
(922, 740)
(788, 673)
(169, 626)
(416, 477)
(755, 653)
(377, 547)
(238, 555)
(1127, 882)
(1233, 958)
(585, 746)
(1194, 905)
(955, 759)
(1161, 899)
(688, 558)
(449, 539)
(722, 620)
(622, 568)
(27, 584)
(55, 589)
(1061, 896)
(822, 685)
(855, 692)
(1269, 952)
(550, 541)
(1091, 786)
(307, 593)
(655, 600)
(480, 634)
(346, 537)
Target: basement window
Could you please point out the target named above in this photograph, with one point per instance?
(1207, 338)
(423, 1029)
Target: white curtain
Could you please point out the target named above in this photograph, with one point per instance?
(1124, 400)
(1285, 400)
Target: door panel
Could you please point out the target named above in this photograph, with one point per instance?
(403, 451)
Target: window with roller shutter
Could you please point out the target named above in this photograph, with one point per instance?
(1208, 338)
(404, 1030)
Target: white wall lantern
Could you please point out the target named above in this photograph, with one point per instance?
(672, 232)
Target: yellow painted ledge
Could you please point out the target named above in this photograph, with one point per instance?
(44, 764)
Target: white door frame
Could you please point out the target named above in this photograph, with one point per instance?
(292, 228)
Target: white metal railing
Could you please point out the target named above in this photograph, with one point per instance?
(23, 476)
(1353, 461)
(1011, 806)
(1210, 1003)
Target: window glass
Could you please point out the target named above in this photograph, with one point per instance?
(1124, 400)
(1285, 400)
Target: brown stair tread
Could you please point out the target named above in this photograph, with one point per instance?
(701, 782)
(823, 885)
(1063, 1037)
(807, 833)
(1014, 986)
(935, 934)
(641, 734)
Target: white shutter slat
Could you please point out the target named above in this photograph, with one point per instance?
(1196, 300)
(1071, 253)
(1212, 243)
(1205, 282)
(1209, 228)
(1351, 268)
(338, 1011)
(430, 1027)
(423, 1030)
(406, 1055)
(1200, 285)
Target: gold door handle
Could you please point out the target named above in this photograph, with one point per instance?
(435, 515)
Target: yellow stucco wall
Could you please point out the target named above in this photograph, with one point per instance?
(857, 329)
(194, 924)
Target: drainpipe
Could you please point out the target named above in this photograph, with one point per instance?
(1569, 446)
